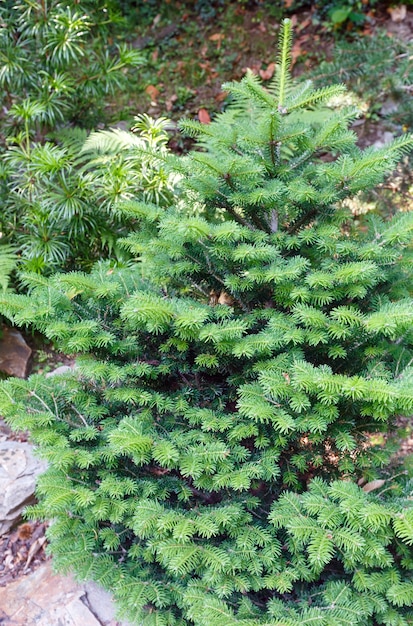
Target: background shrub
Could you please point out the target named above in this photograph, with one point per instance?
(57, 65)
(60, 207)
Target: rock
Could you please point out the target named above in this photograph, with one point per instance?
(142, 42)
(44, 598)
(383, 140)
(63, 369)
(389, 106)
(122, 125)
(5, 432)
(158, 37)
(14, 353)
(47, 599)
(18, 471)
(101, 604)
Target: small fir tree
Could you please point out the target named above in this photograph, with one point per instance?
(204, 462)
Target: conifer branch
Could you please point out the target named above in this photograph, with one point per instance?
(284, 60)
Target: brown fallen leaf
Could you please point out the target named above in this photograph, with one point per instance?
(254, 68)
(268, 73)
(170, 102)
(218, 37)
(226, 299)
(303, 25)
(296, 52)
(297, 49)
(373, 484)
(204, 116)
(152, 92)
(34, 549)
(220, 97)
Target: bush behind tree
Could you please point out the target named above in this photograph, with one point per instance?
(61, 208)
(203, 463)
(58, 66)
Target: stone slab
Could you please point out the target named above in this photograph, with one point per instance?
(44, 598)
(18, 471)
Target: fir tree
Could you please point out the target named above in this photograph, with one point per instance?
(205, 455)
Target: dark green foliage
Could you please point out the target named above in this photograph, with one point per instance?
(51, 69)
(236, 383)
(8, 261)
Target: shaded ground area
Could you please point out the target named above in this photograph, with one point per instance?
(190, 58)
(22, 551)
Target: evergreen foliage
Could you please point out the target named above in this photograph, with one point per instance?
(57, 68)
(61, 200)
(51, 68)
(383, 81)
(8, 261)
(204, 458)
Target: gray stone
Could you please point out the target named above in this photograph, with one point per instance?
(48, 599)
(14, 353)
(389, 106)
(18, 471)
(63, 369)
(100, 603)
(122, 125)
(384, 139)
(45, 599)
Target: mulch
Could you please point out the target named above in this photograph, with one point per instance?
(22, 551)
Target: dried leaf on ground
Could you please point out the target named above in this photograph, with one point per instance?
(22, 551)
(218, 37)
(268, 73)
(170, 102)
(221, 96)
(152, 92)
(373, 485)
(204, 116)
(297, 50)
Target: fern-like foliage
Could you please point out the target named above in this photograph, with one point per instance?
(70, 196)
(8, 260)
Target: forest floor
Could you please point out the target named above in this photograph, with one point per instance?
(190, 57)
